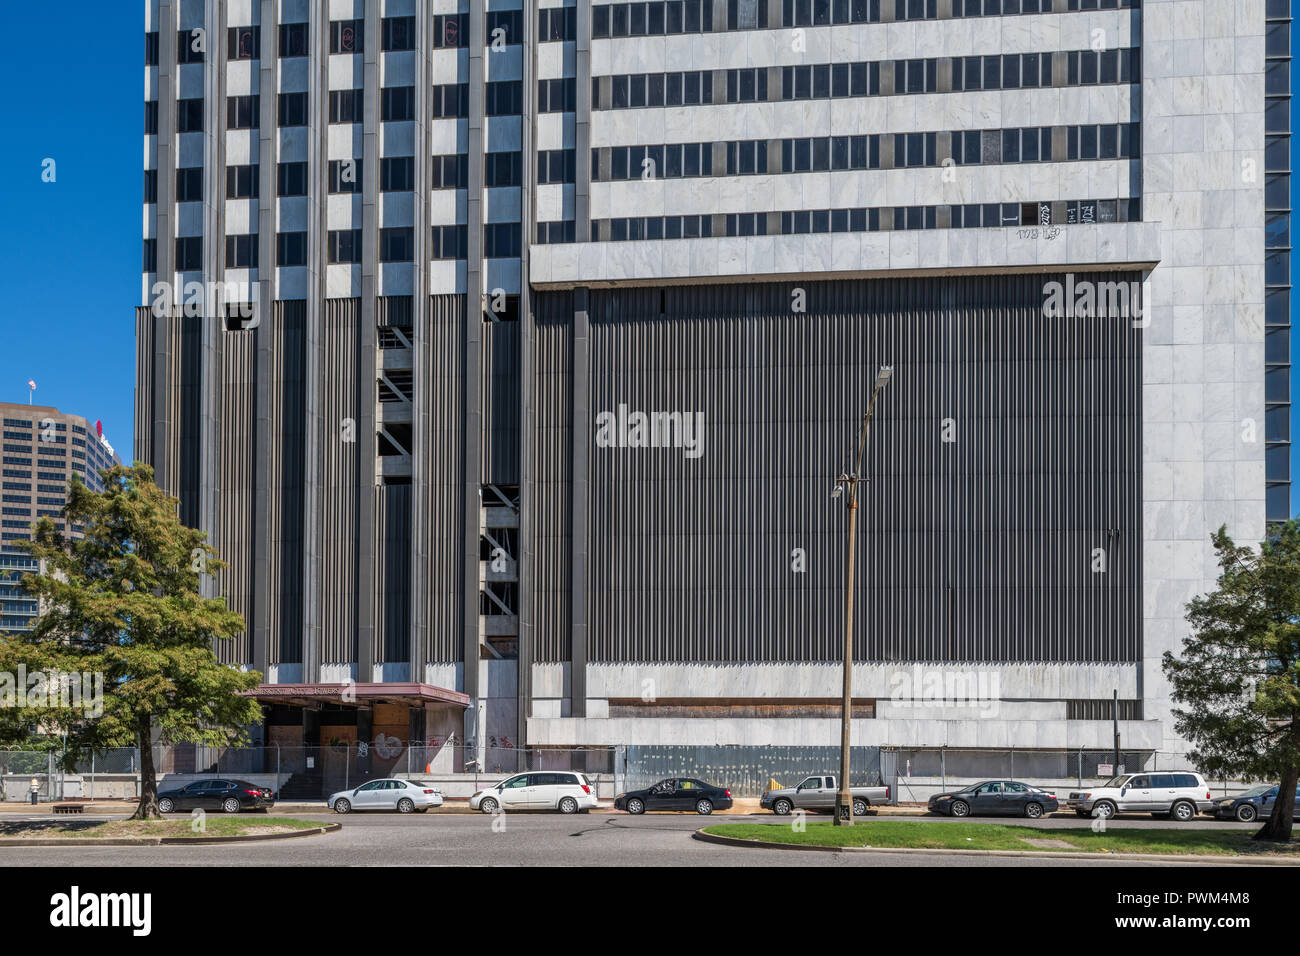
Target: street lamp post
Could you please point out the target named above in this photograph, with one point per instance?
(848, 484)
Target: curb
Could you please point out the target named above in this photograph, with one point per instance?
(169, 841)
(1031, 854)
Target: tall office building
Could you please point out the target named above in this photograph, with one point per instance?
(43, 449)
(561, 320)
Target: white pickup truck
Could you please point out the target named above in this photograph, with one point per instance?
(818, 794)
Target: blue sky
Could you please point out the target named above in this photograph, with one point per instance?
(72, 247)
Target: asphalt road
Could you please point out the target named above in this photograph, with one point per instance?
(435, 839)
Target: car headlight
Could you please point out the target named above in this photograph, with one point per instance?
(943, 798)
(620, 796)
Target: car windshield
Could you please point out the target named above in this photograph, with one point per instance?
(1256, 791)
(972, 788)
(1116, 782)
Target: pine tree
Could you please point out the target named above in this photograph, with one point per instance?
(1239, 671)
(123, 601)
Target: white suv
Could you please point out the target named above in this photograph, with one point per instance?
(1180, 795)
(560, 790)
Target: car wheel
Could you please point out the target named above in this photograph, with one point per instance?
(1183, 811)
(703, 807)
(1033, 810)
(859, 808)
(782, 807)
(165, 805)
(488, 805)
(230, 805)
(960, 808)
(405, 805)
(635, 806)
(342, 806)
(568, 805)
(1103, 809)
(1245, 813)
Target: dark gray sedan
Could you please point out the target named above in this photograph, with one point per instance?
(995, 798)
(1252, 804)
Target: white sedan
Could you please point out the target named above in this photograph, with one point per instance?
(404, 796)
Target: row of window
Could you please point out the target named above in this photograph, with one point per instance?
(833, 80)
(396, 174)
(697, 16)
(896, 218)
(343, 246)
(245, 42)
(831, 153)
(397, 104)
(686, 160)
(348, 36)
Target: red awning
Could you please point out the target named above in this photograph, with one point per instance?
(397, 693)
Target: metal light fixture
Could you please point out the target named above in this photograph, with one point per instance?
(849, 483)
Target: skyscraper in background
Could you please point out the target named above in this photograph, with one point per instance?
(43, 449)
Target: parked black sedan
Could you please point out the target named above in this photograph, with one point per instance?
(229, 796)
(675, 793)
(995, 798)
(1252, 804)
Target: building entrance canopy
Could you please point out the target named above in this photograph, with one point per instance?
(353, 693)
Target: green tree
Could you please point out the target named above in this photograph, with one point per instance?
(123, 601)
(1239, 671)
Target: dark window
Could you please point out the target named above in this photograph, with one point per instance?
(293, 39)
(189, 184)
(150, 261)
(347, 106)
(509, 22)
(242, 112)
(241, 252)
(347, 36)
(397, 103)
(557, 23)
(189, 46)
(344, 246)
(243, 43)
(151, 117)
(450, 242)
(293, 109)
(241, 182)
(501, 169)
(501, 240)
(345, 176)
(503, 99)
(449, 30)
(189, 253)
(291, 249)
(150, 185)
(292, 179)
(399, 34)
(451, 100)
(151, 49)
(450, 172)
(189, 116)
(397, 245)
(397, 174)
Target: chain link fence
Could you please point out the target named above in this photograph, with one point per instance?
(459, 767)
